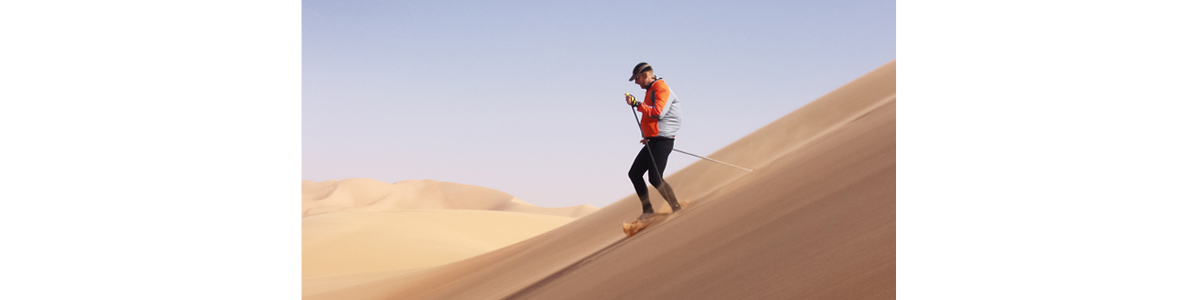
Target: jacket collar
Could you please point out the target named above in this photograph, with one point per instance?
(651, 85)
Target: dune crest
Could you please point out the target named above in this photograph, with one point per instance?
(362, 194)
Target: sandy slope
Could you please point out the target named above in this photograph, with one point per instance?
(815, 220)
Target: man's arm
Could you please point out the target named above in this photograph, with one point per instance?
(661, 93)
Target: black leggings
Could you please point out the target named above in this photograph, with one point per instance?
(661, 148)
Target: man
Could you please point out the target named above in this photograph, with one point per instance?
(660, 121)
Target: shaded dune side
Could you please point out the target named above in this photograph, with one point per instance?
(816, 219)
(362, 194)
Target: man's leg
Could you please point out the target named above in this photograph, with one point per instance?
(661, 150)
(640, 165)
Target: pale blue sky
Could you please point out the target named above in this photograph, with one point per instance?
(526, 97)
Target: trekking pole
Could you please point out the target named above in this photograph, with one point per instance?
(713, 160)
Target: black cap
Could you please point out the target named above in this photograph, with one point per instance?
(641, 67)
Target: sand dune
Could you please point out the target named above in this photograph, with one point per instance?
(354, 242)
(815, 220)
(358, 230)
(361, 194)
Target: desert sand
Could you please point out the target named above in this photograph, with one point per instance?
(816, 219)
(362, 228)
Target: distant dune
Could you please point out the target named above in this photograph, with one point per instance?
(815, 220)
(360, 228)
(361, 194)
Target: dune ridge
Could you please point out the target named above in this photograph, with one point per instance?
(816, 219)
(364, 194)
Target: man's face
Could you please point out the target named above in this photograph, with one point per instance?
(644, 79)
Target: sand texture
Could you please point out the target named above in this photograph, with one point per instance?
(816, 219)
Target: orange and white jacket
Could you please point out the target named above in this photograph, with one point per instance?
(660, 111)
